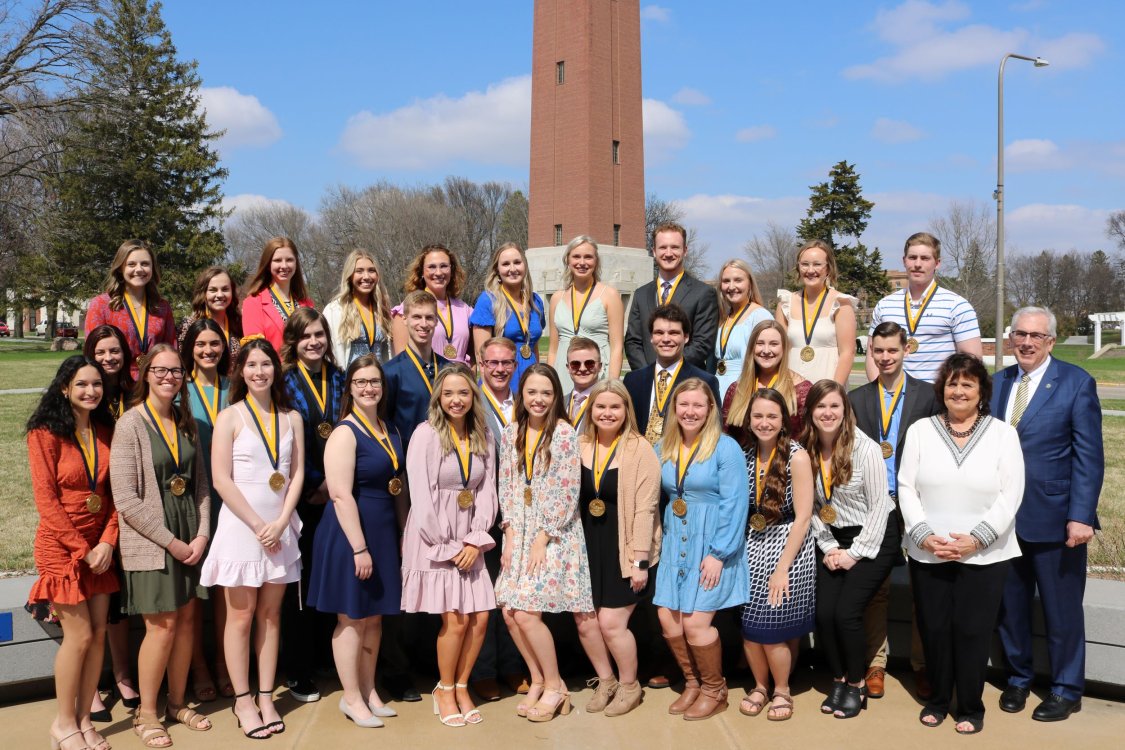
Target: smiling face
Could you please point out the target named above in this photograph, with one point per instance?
(365, 277)
(498, 364)
(283, 265)
(538, 395)
(420, 323)
(1032, 340)
(812, 266)
(165, 387)
(668, 249)
(692, 409)
(258, 373)
(437, 270)
(582, 261)
(765, 420)
(137, 270)
(584, 366)
(768, 348)
(456, 397)
(108, 354)
(220, 291)
(828, 414)
(313, 344)
(888, 353)
(921, 265)
(668, 339)
(208, 350)
(366, 388)
(734, 285)
(85, 390)
(961, 395)
(608, 413)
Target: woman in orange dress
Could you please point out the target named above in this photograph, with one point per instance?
(68, 438)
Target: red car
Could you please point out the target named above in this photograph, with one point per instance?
(65, 330)
(4, 330)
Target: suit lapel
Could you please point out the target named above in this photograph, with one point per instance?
(644, 400)
(1047, 388)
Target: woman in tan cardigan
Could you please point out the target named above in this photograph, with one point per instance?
(164, 506)
(618, 501)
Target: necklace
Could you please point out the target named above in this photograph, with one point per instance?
(966, 433)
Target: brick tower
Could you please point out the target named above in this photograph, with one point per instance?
(587, 149)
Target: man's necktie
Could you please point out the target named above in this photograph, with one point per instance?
(1021, 400)
(655, 429)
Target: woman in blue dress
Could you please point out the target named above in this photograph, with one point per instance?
(702, 568)
(509, 307)
(741, 305)
(355, 560)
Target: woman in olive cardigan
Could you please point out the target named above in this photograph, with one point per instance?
(619, 503)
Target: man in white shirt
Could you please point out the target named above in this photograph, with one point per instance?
(938, 322)
(584, 363)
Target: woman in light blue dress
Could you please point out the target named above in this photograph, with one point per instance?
(741, 305)
(509, 307)
(588, 308)
(702, 564)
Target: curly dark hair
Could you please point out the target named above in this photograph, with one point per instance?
(968, 365)
(238, 390)
(187, 347)
(54, 412)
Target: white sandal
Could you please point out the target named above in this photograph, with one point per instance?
(452, 720)
(472, 716)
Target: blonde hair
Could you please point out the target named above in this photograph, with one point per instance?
(708, 437)
(739, 414)
(830, 258)
(616, 387)
(577, 242)
(754, 294)
(480, 439)
(351, 325)
(493, 285)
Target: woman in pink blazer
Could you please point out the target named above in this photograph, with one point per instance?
(275, 292)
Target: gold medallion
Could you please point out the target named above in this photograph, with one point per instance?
(807, 354)
(911, 345)
(828, 514)
(450, 351)
(93, 502)
(465, 499)
(178, 485)
(525, 351)
(277, 481)
(527, 496)
(597, 507)
(324, 429)
(888, 449)
(394, 486)
(758, 522)
(679, 507)
(141, 360)
(721, 367)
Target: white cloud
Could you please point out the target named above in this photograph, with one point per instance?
(755, 133)
(926, 48)
(241, 201)
(656, 13)
(690, 97)
(1034, 154)
(246, 120)
(665, 130)
(887, 130)
(486, 127)
(1042, 226)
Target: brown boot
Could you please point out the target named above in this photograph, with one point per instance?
(713, 689)
(680, 650)
(627, 697)
(603, 693)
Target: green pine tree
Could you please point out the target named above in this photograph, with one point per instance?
(140, 162)
(838, 214)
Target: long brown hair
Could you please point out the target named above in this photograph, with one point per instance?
(295, 327)
(262, 278)
(414, 273)
(124, 375)
(845, 438)
(554, 416)
(199, 299)
(181, 414)
(773, 494)
(115, 280)
(479, 437)
(739, 414)
(367, 360)
(238, 390)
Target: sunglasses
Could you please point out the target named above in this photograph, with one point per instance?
(577, 365)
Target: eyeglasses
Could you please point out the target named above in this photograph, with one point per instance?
(577, 365)
(811, 266)
(177, 373)
(1035, 336)
(362, 384)
(497, 364)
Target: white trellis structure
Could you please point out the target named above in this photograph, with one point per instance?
(1107, 317)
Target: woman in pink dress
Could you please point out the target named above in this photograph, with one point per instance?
(275, 292)
(451, 467)
(437, 270)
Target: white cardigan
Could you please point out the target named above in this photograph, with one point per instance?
(977, 490)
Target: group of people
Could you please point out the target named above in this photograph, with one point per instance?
(372, 463)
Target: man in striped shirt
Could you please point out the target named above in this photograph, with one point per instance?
(938, 322)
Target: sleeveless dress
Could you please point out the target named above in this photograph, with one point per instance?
(236, 557)
(333, 586)
(796, 616)
(738, 346)
(594, 326)
(608, 586)
(823, 364)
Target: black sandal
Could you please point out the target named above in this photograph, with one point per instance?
(975, 725)
(832, 702)
(931, 713)
(274, 727)
(253, 734)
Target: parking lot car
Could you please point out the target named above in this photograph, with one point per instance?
(4, 330)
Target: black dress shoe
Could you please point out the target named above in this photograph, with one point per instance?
(1056, 708)
(1013, 699)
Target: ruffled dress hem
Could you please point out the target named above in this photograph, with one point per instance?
(253, 573)
(67, 590)
(439, 591)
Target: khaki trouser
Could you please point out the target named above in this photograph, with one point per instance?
(875, 625)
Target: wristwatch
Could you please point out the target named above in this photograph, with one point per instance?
(640, 564)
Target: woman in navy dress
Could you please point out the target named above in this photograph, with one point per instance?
(509, 307)
(355, 561)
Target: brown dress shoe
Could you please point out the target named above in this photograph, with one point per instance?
(876, 682)
(713, 687)
(517, 683)
(922, 684)
(487, 689)
(680, 650)
(658, 682)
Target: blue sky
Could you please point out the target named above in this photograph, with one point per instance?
(746, 105)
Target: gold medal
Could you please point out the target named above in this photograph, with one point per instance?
(450, 351)
(808, 354)
(525, 351)
(721, 367)
(888, 449)
(178, 485)
(828, 514)
(324, 429)
(141, 360)
(527, 496)
(597, 507)
(758, 522)
(277, 481)
(912, 319)
(911, 345)
(465, 499)
(679, 507)
(93, 502)
(394, 486)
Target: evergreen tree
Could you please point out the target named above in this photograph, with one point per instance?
(838, 212)
(140, 162)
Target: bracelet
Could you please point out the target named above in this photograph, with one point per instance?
(359, 552)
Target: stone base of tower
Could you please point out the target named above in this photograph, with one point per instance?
(624, 268)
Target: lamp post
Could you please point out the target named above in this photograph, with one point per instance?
(999, 196)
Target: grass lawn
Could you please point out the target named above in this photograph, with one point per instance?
(1108, 547)
(17, 507)
(1109, 369)
(29, 365)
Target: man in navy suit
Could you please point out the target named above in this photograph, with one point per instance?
(1054, 408)
(669, 329)
(409, 376)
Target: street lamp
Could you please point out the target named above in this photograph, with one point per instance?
(999, 196)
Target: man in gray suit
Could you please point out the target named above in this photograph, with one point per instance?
(673, 285)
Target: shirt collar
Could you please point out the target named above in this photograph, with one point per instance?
(1036, 374)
